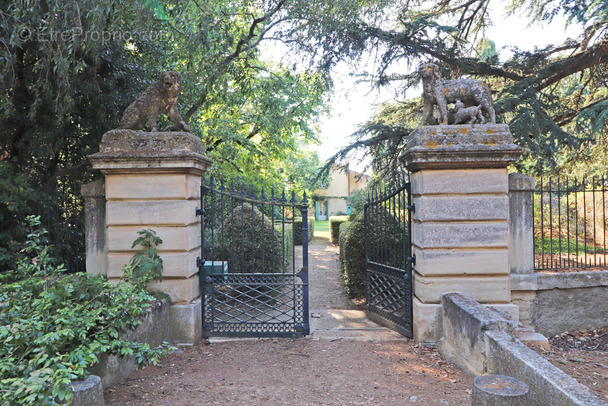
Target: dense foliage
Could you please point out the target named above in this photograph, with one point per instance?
(352, 252)
(254, 243)
(69, 68)
(54, 325)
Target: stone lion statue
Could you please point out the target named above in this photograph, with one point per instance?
(468, 115)
(440, 92)
(160, 97)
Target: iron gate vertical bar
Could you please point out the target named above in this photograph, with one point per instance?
(410, 259)
(201, 263)
(304, 271)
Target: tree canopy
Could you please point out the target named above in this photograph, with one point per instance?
(555, 98)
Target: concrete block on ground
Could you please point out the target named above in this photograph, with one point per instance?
(444, 262)
(465, 322)
(185, 323)
(87, 392)
(499, 390)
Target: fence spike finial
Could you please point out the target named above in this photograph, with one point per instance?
(304, 199)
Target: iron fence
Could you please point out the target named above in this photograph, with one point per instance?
(254, 279)
(570, 223)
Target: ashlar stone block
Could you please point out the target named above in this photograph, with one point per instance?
(153, 186)
(453, 181)
(460, 208)
(175, 264)
(157, 212)
(120, 238)
(445, 262)
(464, 234)
(484, 289)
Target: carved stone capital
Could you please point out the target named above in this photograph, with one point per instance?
(128, 151)
(460, 146)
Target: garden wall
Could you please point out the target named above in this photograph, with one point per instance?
(556, 302)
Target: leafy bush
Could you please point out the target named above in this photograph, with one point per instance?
(250, 235)
(334, 227)
(357, 201)
(54, 325)
(343, 230)
(297, 229)
(15, 200)
(352, 252)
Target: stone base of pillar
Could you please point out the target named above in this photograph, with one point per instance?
(185, 323)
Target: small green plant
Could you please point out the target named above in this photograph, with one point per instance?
(145, 266)
(54, 325)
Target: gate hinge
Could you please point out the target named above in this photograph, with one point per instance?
(412, 259)
(412, 208)
(200, 212)
(200, 262)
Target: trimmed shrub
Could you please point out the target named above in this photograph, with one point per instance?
(389, 238)
(297, 229)
(334, 227)
(343, 230)
(249, 233)
(352, 253)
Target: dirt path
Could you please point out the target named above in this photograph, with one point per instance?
(347, 360)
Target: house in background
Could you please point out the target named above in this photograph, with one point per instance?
(333, 199)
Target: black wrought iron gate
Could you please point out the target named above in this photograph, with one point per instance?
(389, 259)
(254, 277)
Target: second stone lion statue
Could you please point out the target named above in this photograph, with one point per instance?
(439, 92)
(160, 97)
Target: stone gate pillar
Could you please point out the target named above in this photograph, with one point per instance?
(460, 236)
(152, 181)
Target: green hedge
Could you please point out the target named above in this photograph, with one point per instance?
(390, 236)
(334, 227)
(352, 253)
(297, 230)
(251, 241)
(343, 230)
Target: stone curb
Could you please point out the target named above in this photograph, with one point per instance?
(482, 341)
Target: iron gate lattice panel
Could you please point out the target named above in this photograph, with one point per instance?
(254, 280)
(388, 273)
